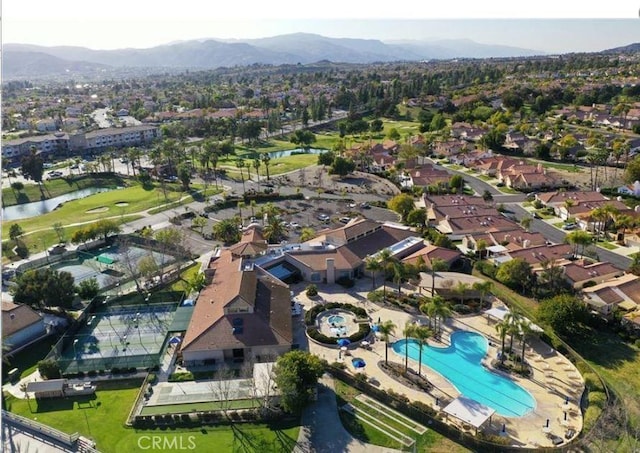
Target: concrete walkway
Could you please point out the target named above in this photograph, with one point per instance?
(322, 430)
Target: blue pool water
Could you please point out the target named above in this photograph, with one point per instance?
(460, 364)
(336, 319)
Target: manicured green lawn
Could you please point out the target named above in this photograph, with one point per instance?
(508, 190)
(56, 187)
(276, 166)
(430, 441)
(116, 203)
(197, 407)
(608, 245)
(103, 418)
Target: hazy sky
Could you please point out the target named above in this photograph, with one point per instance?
(548, 25)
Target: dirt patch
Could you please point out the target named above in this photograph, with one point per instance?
(98, 210)
(318, 177)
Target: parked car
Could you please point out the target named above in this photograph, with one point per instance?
(365, 205)
(323, 217)
(344, 219)
(569, 226)
(294, 225)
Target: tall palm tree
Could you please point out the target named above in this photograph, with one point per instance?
(372, 265)
(502, 328)
(513, 320)
(578, 238)
(525, 329)
(408, 331)
(240, 164)
(256, 165)
(385, 257)
(422, 334)
(266, 158)
(437, 265)
(483, 288)
(241, 204)
(386, 329)
(399, 273)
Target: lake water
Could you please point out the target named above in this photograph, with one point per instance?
(289, 152)
(36, 208)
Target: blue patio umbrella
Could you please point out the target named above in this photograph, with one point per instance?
(359, 363)
(174, 340)
(375, 328)
(344, 342)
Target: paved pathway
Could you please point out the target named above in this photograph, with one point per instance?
(322, 430)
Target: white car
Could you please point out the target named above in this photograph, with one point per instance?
(294, 225)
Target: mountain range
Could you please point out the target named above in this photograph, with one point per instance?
(28, 61)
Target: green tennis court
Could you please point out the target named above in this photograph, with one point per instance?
(119, 337)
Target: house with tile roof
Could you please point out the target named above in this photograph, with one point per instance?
(620, 293)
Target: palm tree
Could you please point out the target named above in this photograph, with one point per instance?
(385, 257)
(386, 329)
(513, 320)
(578, 238)
(422, 334)
(241, 204)
(483, 288)
(408, 331)
(624, 221)
(437, 265)
(266, 158)
(240, 164)
(461, 289)
(274, 232)
(399, 273)
(256, 165)
(502, 328)
(214, 165)
(372, 265)
(437, 309)
(525, 329)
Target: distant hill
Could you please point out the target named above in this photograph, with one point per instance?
(631, 48)
(28, 64)
(21, 60)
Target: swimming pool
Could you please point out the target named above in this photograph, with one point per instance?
(460, 364)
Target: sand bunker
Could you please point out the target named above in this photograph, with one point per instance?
(122, 204)
(97, 210)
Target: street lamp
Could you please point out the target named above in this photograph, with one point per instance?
(75, 353)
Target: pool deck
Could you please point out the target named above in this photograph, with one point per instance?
(554, 377)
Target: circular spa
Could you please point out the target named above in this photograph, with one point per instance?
(337, 323)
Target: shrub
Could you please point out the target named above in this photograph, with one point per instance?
(181, 377)
(592, 382)
(92, 373)
(115, 370)
(597, 399)
(312, 290)
(346, 282)
(462, 309)
(49, 369)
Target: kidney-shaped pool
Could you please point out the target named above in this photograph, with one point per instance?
(460, 363)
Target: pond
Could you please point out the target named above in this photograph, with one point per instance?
(36, 208)
(289, 152)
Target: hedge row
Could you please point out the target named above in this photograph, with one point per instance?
(258, 197)
(310, 316)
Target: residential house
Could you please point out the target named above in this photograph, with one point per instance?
(21, 325)
(630, 189)
(557, 254)
(432, 252)
(578, 273)
(622, 293)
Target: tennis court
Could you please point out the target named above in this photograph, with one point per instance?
(109, 265)
(119, 337)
